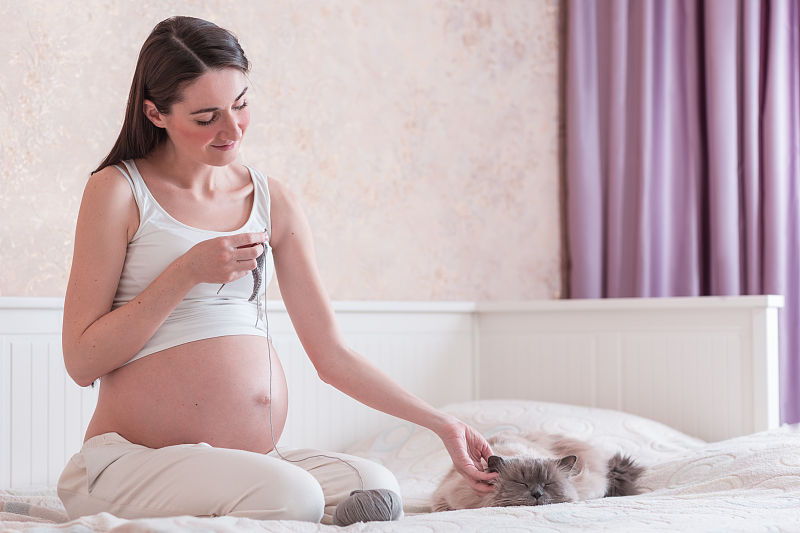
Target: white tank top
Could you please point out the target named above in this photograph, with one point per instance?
(160, 240)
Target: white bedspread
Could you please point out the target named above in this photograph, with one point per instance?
(749, 483)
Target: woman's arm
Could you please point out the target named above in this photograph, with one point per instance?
(313, 318)
(96, 340)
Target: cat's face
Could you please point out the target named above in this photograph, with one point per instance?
(530, 481)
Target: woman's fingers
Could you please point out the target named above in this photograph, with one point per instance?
(225, 259)
(478, 479)
(246, 265)
(481, 476)
(247, 239)
(248, 252)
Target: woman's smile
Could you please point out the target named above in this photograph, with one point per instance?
(225, 147)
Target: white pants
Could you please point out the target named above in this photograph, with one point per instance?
(113, 475)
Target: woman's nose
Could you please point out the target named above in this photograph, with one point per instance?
(231, 131)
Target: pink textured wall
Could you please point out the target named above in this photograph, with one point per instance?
(422, 136)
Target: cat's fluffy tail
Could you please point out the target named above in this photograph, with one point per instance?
(623, 473)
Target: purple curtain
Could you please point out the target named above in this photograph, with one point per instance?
(683, 135)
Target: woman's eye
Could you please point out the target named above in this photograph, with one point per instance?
(214, 117)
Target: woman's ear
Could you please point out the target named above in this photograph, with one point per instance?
(153, 114)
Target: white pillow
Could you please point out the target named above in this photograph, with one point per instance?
(417, 457)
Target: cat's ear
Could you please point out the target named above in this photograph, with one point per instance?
(566, 463)
(495, 463)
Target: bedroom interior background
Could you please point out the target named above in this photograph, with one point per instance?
(371, 127)
(389, 120)
(684, 159)
(363, 119)
(498, 239)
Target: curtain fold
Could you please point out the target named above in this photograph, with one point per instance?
(683, 143)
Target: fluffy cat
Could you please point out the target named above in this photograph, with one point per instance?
(541, 468)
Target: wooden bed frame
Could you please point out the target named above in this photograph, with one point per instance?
(706, 366)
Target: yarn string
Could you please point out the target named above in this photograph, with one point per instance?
(258, 282)
(271, 428)
(361, 505)
(269, 361)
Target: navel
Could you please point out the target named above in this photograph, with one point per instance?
(263, 399)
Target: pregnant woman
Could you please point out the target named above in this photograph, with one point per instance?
(159, 309)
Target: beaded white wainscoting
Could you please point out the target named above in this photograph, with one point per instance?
(707, 366)
(43, 413)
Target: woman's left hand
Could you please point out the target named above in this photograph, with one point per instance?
(466, 448)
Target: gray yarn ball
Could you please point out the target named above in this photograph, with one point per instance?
(368, 506)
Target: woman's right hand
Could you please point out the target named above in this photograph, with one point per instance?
(224, 259)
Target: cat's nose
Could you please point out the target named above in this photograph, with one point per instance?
(537, 494)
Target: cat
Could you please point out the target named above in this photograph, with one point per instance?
(540, 468)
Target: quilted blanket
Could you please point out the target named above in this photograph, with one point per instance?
(750, 483)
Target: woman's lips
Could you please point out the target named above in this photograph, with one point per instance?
(224, 147)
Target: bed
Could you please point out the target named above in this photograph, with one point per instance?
(686, 386)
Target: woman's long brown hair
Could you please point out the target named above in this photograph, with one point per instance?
(178, 51)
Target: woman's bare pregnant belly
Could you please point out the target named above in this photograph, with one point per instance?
(214, 390)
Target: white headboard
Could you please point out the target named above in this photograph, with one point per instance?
(706, 366)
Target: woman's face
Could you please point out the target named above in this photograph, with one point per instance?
(210, 120)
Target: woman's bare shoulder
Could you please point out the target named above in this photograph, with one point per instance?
(108, 184)
(278, 189)
(286, 212)
(283, 201)
(109, 196)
